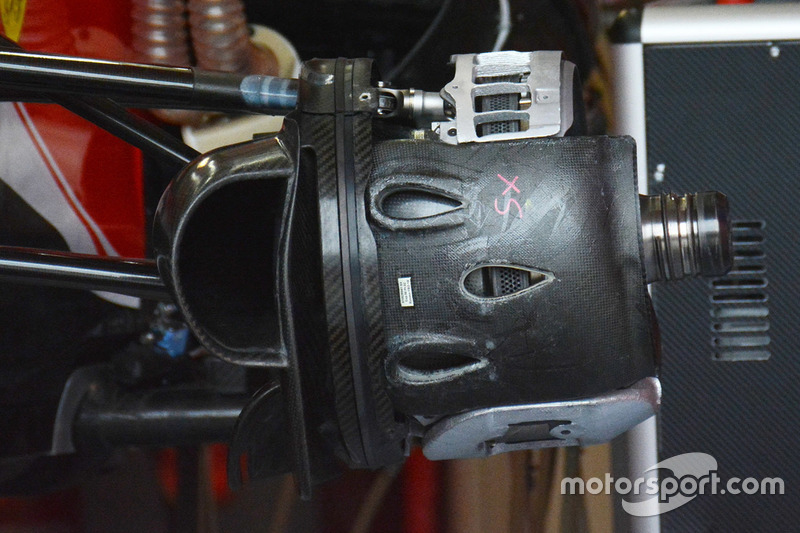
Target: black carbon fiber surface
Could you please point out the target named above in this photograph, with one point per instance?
(372, 301)
(566, 207)
(310, 384)
(318, 131)
(727, 118)
(198, 236)
(339, 134)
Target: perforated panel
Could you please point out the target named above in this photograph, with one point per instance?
(509, 280)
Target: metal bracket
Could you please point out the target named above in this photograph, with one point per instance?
(582, 422)
(536, 82)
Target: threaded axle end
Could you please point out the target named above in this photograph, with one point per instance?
(685, 236)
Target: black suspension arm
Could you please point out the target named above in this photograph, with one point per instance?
(134, 130)
(116, 120)
(153, 85)
(135, 277)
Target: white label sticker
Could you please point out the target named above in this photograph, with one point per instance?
(406, 296)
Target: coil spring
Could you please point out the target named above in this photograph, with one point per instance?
(218, 30)
(159, 32)
(220, 35)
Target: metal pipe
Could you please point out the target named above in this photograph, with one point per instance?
(158, 86)
(135, 277)
(159, 417)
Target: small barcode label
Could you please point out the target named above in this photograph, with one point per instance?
(406, 296)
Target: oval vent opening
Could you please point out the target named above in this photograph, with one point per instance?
(424, 367)
(413, 204)
(499, 281)
(435, 362)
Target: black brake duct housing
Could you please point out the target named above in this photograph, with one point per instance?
(401, 279)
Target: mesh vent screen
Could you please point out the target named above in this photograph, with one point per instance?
(498, 102)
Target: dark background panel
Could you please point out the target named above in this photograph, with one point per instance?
(727, 118)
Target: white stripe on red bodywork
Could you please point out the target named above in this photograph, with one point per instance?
(28, 167)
